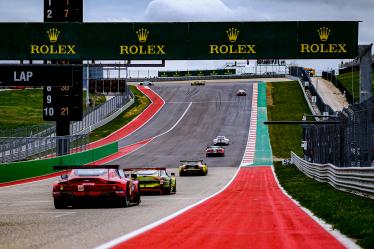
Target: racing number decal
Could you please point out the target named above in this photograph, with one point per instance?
(80, 187)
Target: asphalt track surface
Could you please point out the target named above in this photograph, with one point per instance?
(209, 111)
(29, 220)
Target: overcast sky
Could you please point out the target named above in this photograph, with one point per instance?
(210, 10)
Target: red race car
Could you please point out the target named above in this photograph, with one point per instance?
(95, 183)
(214, 151)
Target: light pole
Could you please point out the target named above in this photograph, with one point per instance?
(88, 85)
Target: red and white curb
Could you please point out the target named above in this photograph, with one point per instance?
(249, 153)
(94, 144)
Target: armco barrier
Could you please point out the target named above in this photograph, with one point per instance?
(357, 180)
(22, 170)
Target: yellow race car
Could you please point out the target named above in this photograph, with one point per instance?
(189, 167)
(198, 83)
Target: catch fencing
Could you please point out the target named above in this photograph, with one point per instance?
(100, 113)
(21, 148)
(349, 142)
(332, 78)
(357, 180)
(310, 89)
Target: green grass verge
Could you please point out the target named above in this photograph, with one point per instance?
(354, 89)
(23, 108)
(285, 101)
(352, 215)
(140, 104)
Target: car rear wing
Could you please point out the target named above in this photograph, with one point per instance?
(68, 167)
(138, 169)
(192, 161)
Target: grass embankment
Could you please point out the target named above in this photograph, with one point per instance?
(140, 104)
(22, 108)
(285, 102)
(352, 215)
(354, 88)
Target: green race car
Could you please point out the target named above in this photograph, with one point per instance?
(198, 83)
(154, 180)
(189, 167)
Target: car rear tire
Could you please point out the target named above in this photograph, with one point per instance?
(124, 202)
(138, 198)
(167, 191)
(59, 203)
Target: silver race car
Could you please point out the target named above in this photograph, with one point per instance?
(221, 140)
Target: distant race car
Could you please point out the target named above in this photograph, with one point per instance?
(146, 83)
(221, 140)
(94, 183)
(241, 92)
(214, 151)
(198, 83)
(154, 180)
(189, 167)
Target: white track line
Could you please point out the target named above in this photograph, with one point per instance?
(153, 138)
(200, 102)
(163, 220)
(163, 103)
(180, 119)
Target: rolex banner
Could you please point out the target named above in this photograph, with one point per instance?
(179, 41)
(220, 72)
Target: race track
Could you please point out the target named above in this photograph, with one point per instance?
(209, 111)
(29, 220)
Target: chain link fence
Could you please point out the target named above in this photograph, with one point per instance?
(310, 90)
(99, 113)
(349, 143)
(25, 148)
(330, 76)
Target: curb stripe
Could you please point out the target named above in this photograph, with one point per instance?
(249, 152)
